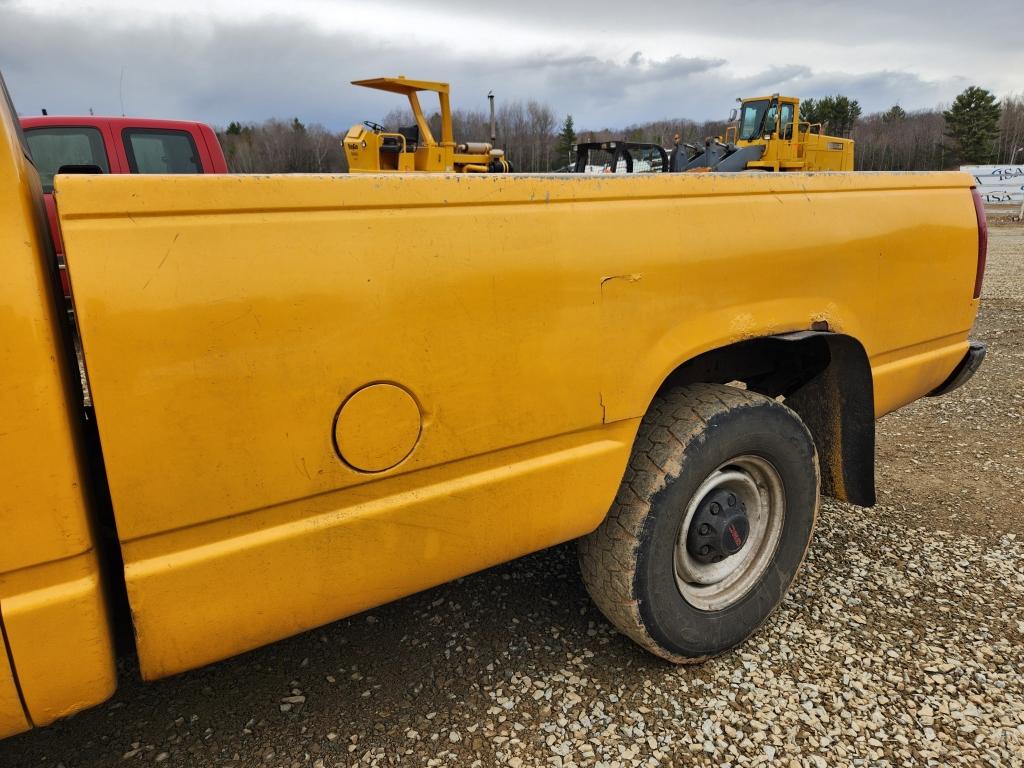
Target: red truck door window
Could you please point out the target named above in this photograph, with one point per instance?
(155, 150)
(75, 145)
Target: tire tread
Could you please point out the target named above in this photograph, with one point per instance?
(608, 556)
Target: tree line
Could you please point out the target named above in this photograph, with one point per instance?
(975, 129)
(276, 146)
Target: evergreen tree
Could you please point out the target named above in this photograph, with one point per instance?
(566, 140)
(894, 114)
(809, 112)
(973, 125)
(837, 114)
(840, 114)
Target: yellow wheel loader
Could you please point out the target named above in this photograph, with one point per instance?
(370, 148)
(767, 135)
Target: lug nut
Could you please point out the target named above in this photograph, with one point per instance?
(732, 499)
(715, 508)
(705, 549)
(705, 529)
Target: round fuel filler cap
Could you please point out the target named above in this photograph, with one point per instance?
(377, 427)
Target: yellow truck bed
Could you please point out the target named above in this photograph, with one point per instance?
(316, 394)
(530, 320)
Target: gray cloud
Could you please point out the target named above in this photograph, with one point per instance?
(835, 22)
(276, 66)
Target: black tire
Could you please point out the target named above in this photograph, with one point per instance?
(628, 563)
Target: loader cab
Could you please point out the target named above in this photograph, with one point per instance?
(770, 122)
(790, 144)
(775, 117)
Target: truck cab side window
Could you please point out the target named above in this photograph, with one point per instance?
(161, 151)
(52, 148)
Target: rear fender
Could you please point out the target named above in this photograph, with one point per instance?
(824, 377)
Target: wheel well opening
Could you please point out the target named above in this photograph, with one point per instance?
(826, 379)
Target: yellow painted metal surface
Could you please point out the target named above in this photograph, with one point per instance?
(225, 319)
(60, 641)
(296, 565)
(59, 632)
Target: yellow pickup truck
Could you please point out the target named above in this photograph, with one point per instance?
(312, 394)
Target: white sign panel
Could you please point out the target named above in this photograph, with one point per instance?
(998, 183)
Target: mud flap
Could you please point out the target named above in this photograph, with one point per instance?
(837, 406)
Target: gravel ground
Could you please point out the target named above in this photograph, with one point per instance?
(901, 644)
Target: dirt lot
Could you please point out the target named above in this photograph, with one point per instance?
(902, 643)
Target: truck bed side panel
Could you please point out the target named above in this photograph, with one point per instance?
(228, 322)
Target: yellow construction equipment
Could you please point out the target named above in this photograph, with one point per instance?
(767, 134)
(370, 148)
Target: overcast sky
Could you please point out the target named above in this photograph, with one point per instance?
(608, 63)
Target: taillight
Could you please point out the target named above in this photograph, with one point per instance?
(979, 210)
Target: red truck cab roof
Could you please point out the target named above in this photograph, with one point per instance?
(122, 145)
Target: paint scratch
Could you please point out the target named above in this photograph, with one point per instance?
(163, 260)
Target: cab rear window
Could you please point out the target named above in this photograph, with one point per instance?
(153, 150)
(53, 147)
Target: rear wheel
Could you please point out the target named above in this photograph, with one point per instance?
(710, 525)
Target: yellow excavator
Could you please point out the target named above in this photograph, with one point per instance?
(370, 148)
(767, 134)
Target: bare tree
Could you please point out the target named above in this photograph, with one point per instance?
(912, 143)
(276, 146)
(1010, 148)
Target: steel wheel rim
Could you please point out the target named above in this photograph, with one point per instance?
(716, 586)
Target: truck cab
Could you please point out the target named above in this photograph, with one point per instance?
(116, 145)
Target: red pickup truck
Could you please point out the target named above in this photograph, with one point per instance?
(116, 145)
